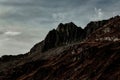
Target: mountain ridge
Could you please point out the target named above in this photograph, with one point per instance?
(64, 33)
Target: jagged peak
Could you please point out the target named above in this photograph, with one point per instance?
(66, 26)
(64, 34)
(70, 23)
(61, 24)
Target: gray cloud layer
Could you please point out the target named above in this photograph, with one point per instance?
(25, 22)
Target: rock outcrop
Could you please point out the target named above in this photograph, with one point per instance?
(94, 25)
(64, 34)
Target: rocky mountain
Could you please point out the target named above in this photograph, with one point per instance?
(70, 53)
(64, 34)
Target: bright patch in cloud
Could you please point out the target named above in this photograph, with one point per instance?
(12, 33)
(99, 13)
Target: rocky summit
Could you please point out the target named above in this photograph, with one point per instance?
(70, 53)
(64, 34)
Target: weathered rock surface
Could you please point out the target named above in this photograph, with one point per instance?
(64, 34)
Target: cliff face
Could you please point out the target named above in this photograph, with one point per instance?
(70, 53)
(92, 26)
(64, 34)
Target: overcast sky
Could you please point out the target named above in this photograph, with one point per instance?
(23, 23)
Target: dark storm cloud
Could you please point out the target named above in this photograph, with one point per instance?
(42, 11)
(43, 3)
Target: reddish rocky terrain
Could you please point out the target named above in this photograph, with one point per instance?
(70, 53)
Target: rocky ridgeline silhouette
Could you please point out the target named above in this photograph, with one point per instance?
(69, 33)
(66, 34)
